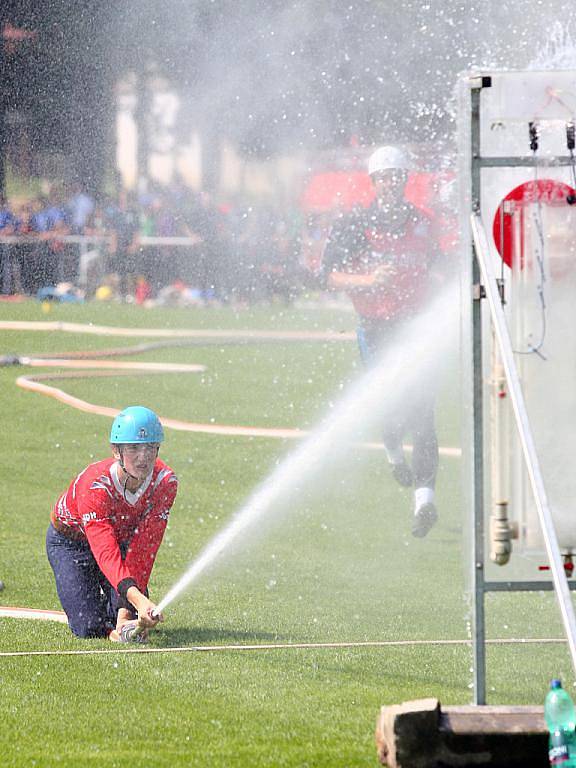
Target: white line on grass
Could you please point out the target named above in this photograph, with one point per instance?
(284, 646)
(60, 616)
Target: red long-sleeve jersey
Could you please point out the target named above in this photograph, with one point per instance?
(95, 507)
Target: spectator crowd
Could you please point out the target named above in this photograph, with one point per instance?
(170, 244)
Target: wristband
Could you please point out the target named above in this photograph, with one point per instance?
(124, 586)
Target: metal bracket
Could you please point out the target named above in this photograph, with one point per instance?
(478, 292)
(480, 81)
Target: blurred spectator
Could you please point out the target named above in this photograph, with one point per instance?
(80, 209)
(121, 223)
(162, 262)
(279, 270)
(37, 264)
(9, 272)
(62, 257)
(143, 290)
(252, 245)
(201, 220)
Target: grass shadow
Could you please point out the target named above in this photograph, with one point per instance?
(179, 636)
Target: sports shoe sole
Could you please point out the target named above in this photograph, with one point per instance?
(424, 520)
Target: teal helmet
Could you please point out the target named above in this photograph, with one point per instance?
(136, 424)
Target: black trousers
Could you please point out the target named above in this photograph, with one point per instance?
(414, 418)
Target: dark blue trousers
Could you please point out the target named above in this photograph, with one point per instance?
(89, 600)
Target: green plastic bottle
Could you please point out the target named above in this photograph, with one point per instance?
(560, 717)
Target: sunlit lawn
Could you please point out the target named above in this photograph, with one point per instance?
(333, 562)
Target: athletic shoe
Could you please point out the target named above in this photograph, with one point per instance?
(402, 474)
(424, 519)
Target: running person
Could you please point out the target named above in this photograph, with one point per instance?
(106, 528)
(384, 258)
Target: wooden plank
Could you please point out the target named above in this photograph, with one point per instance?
(486, 719)
(420, 734)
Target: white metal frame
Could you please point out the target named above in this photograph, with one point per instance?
(485, 286)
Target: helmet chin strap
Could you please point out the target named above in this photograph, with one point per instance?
(123, 467)
(128, 474)
(121, 462)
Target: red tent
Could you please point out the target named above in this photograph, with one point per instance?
(337, 190)
(341, 190)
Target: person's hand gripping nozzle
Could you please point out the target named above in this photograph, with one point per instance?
(137, 631)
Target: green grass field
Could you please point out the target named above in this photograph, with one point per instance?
(334, 563)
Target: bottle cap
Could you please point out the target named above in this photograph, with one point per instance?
(556, 683)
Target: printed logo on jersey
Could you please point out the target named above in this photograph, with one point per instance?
(104, 483)
(161, 475)
(87, 516)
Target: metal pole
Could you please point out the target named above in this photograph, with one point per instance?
(483, 257)
(477, 548)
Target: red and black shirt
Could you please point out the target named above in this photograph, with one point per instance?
(365, 239)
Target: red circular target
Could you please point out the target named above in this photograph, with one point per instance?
(545, 191)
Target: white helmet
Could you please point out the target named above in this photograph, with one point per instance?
(386, 158)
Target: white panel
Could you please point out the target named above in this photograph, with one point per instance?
(514, 100)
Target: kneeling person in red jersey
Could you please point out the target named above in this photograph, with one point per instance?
(106, 529)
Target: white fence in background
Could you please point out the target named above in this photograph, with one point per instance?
(73, 258)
